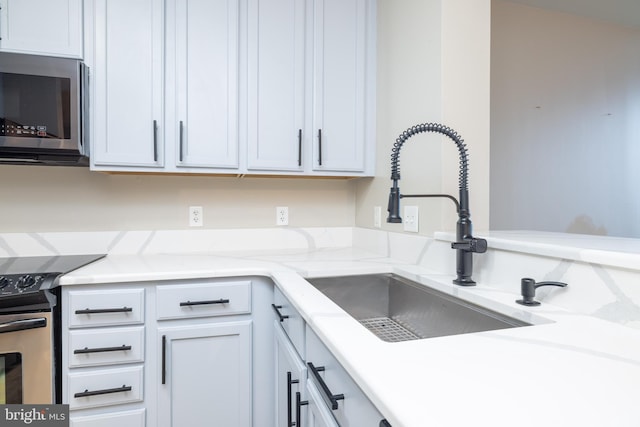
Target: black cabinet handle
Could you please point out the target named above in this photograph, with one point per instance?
(384, 423)
(299, 405)
(88, 393)
(104, 310)
(209, 302)
(320, 147)
(164, 359)
(101, 349)
(181, 140)
(155, 140)
(277, 308)
(290, 381)
(332, 399)
(299, 147)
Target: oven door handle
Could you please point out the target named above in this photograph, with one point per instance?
(22, 325)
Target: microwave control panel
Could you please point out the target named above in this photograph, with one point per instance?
(8, 128)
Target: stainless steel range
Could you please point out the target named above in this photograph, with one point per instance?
(30, 336)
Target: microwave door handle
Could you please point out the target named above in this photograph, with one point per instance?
(22, 325)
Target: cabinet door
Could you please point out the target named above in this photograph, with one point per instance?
(340, 84)
(276, 86)
(291, 375)
(45, 27)
(319, 414)
(205, 373)
(128, 82)
(207, 69)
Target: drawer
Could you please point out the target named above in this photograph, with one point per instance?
(203, 299)
(291, 321)
(111, 386)
(355, 408)
(121, 419)
(93, 347)
(105, 307)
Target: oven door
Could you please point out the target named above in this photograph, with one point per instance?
(26, 358)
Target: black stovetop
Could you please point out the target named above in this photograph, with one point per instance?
(22, 275)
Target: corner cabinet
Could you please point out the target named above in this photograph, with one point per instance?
(311, 86)
(344, 79)
(41, 27)
(265, 87)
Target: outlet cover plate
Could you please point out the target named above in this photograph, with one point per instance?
(410, 219)
(196, 216)
(282, 215)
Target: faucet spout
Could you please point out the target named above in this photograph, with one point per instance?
(465, 244)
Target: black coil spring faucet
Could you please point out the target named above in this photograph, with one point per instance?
(465, 244)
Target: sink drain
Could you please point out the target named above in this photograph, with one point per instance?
(388, 329)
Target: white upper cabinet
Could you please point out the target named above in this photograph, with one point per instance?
(166, 85)
(233, 86)
(343, 84)
(42, 27)
(276, 85)
(206, 68)
(127, 78)
(311, 87)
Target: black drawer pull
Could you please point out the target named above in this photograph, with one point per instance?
(290, 382)
(216, 301)
(101, 349)
(104, 310)
(88, 393)
(299, 404)
(299, 147)
(164, 359)
(332, 398)
(320, 147)
(277, 308)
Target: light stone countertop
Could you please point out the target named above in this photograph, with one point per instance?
(569, 369)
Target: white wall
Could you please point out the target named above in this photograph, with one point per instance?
(433, 66)
(565, 123)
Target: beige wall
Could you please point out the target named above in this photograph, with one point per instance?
(74, 199)
(433, 66)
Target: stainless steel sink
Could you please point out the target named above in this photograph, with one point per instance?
(397, 309)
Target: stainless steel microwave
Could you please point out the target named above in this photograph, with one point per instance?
(44, 115)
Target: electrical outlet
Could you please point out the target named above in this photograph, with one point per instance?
(282, 215)
(410, 220)
(377, 216)
(196, 216)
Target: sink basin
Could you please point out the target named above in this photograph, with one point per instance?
(397, 309)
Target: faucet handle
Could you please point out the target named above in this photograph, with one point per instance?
(528, 290)
(471, 245)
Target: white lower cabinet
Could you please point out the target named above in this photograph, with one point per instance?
(103, 355)
(291, 374)
(348, 403)
(119, 419)
(324, 394)
(319, 414)
(205, 375)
